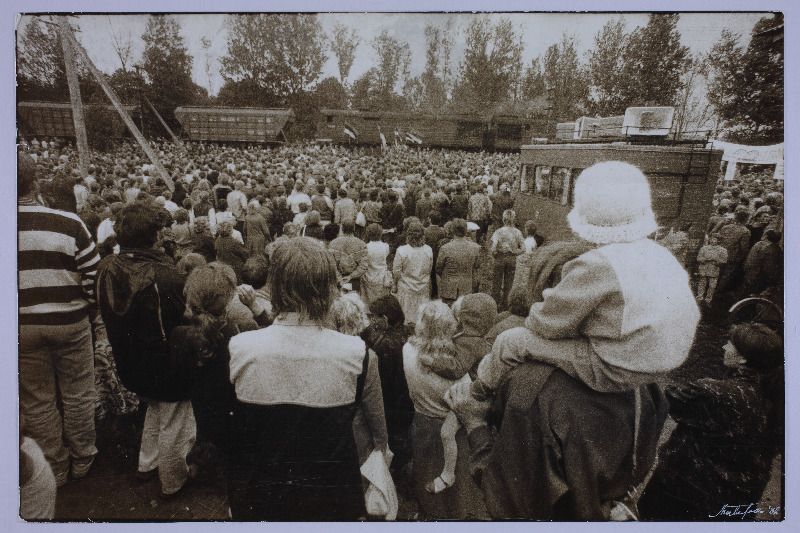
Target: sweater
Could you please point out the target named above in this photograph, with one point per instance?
(631, 300)
(57, 266)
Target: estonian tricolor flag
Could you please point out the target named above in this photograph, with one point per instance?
(413, 137)
(350, 131)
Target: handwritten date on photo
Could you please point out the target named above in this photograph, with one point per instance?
(743, 510)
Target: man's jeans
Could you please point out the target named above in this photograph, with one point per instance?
(503, 277)
(58, 362)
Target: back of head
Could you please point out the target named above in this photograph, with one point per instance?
(138, 225)
(209, 289)
(509, 217)
(303, 278)
(373, 233)
(434, 330)
(190, 261)
(612, 204)
(459, 227)
(530, 228)
(26, 174)
(349, 314)
(478, 313)
(415, 234)
(761, 348)
(255, 271)
(388, 306)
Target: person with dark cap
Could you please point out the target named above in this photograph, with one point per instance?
(57, 263)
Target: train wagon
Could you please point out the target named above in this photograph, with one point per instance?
(235, 124)
(510, 132)
(344, 126)
(53, 119)
(682, 180)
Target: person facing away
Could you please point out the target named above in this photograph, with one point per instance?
(709, 259)
(457, 264)
(140, 293)
(475, 314)
(57, 263)
(623, 314)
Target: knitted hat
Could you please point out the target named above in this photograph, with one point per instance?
(612, 204)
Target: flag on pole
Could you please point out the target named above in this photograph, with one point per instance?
(413, 137)
(350, 131)
(383, 138)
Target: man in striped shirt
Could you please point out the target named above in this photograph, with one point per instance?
(57, 262)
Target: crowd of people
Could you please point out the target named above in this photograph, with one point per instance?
(316, 312)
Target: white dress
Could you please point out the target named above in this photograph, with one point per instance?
(412, 267)
(374, 280)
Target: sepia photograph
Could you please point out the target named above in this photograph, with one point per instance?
(450, 265)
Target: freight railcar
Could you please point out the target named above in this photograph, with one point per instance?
(53, 119)
(510, 132)
(344, 126)
(457, 131)
(682, 179)
(235, 124)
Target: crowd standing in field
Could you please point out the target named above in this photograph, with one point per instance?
(315, 311)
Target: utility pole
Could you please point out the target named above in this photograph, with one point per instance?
(74, 96)
(118, 106)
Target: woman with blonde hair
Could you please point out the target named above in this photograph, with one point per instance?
(412, 272)
(349, 315)
(298, 384)
(433, 338)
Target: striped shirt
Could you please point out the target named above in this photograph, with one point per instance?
(57, 261)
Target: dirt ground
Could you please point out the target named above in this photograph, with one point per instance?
(111, 492)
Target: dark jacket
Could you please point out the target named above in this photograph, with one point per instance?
(140, 294)
(563, 451)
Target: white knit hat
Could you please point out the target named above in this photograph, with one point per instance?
(612, 204)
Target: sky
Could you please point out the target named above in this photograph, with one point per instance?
(698, 31)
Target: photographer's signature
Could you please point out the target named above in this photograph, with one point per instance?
(758, 508)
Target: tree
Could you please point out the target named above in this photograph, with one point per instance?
(746, 86)
(126, 85)
(122, 43)
(694, 114)
(533, 84)
(606, 67)
(394, 58)
(331, 94)
(283, 54)
(655, 61)
(430, 90)
(40, 64)
(246, 93)
(168, 67)
(343, 45)
(565, 79)
(491, 64)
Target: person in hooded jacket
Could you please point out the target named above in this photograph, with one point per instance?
(140, 294)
